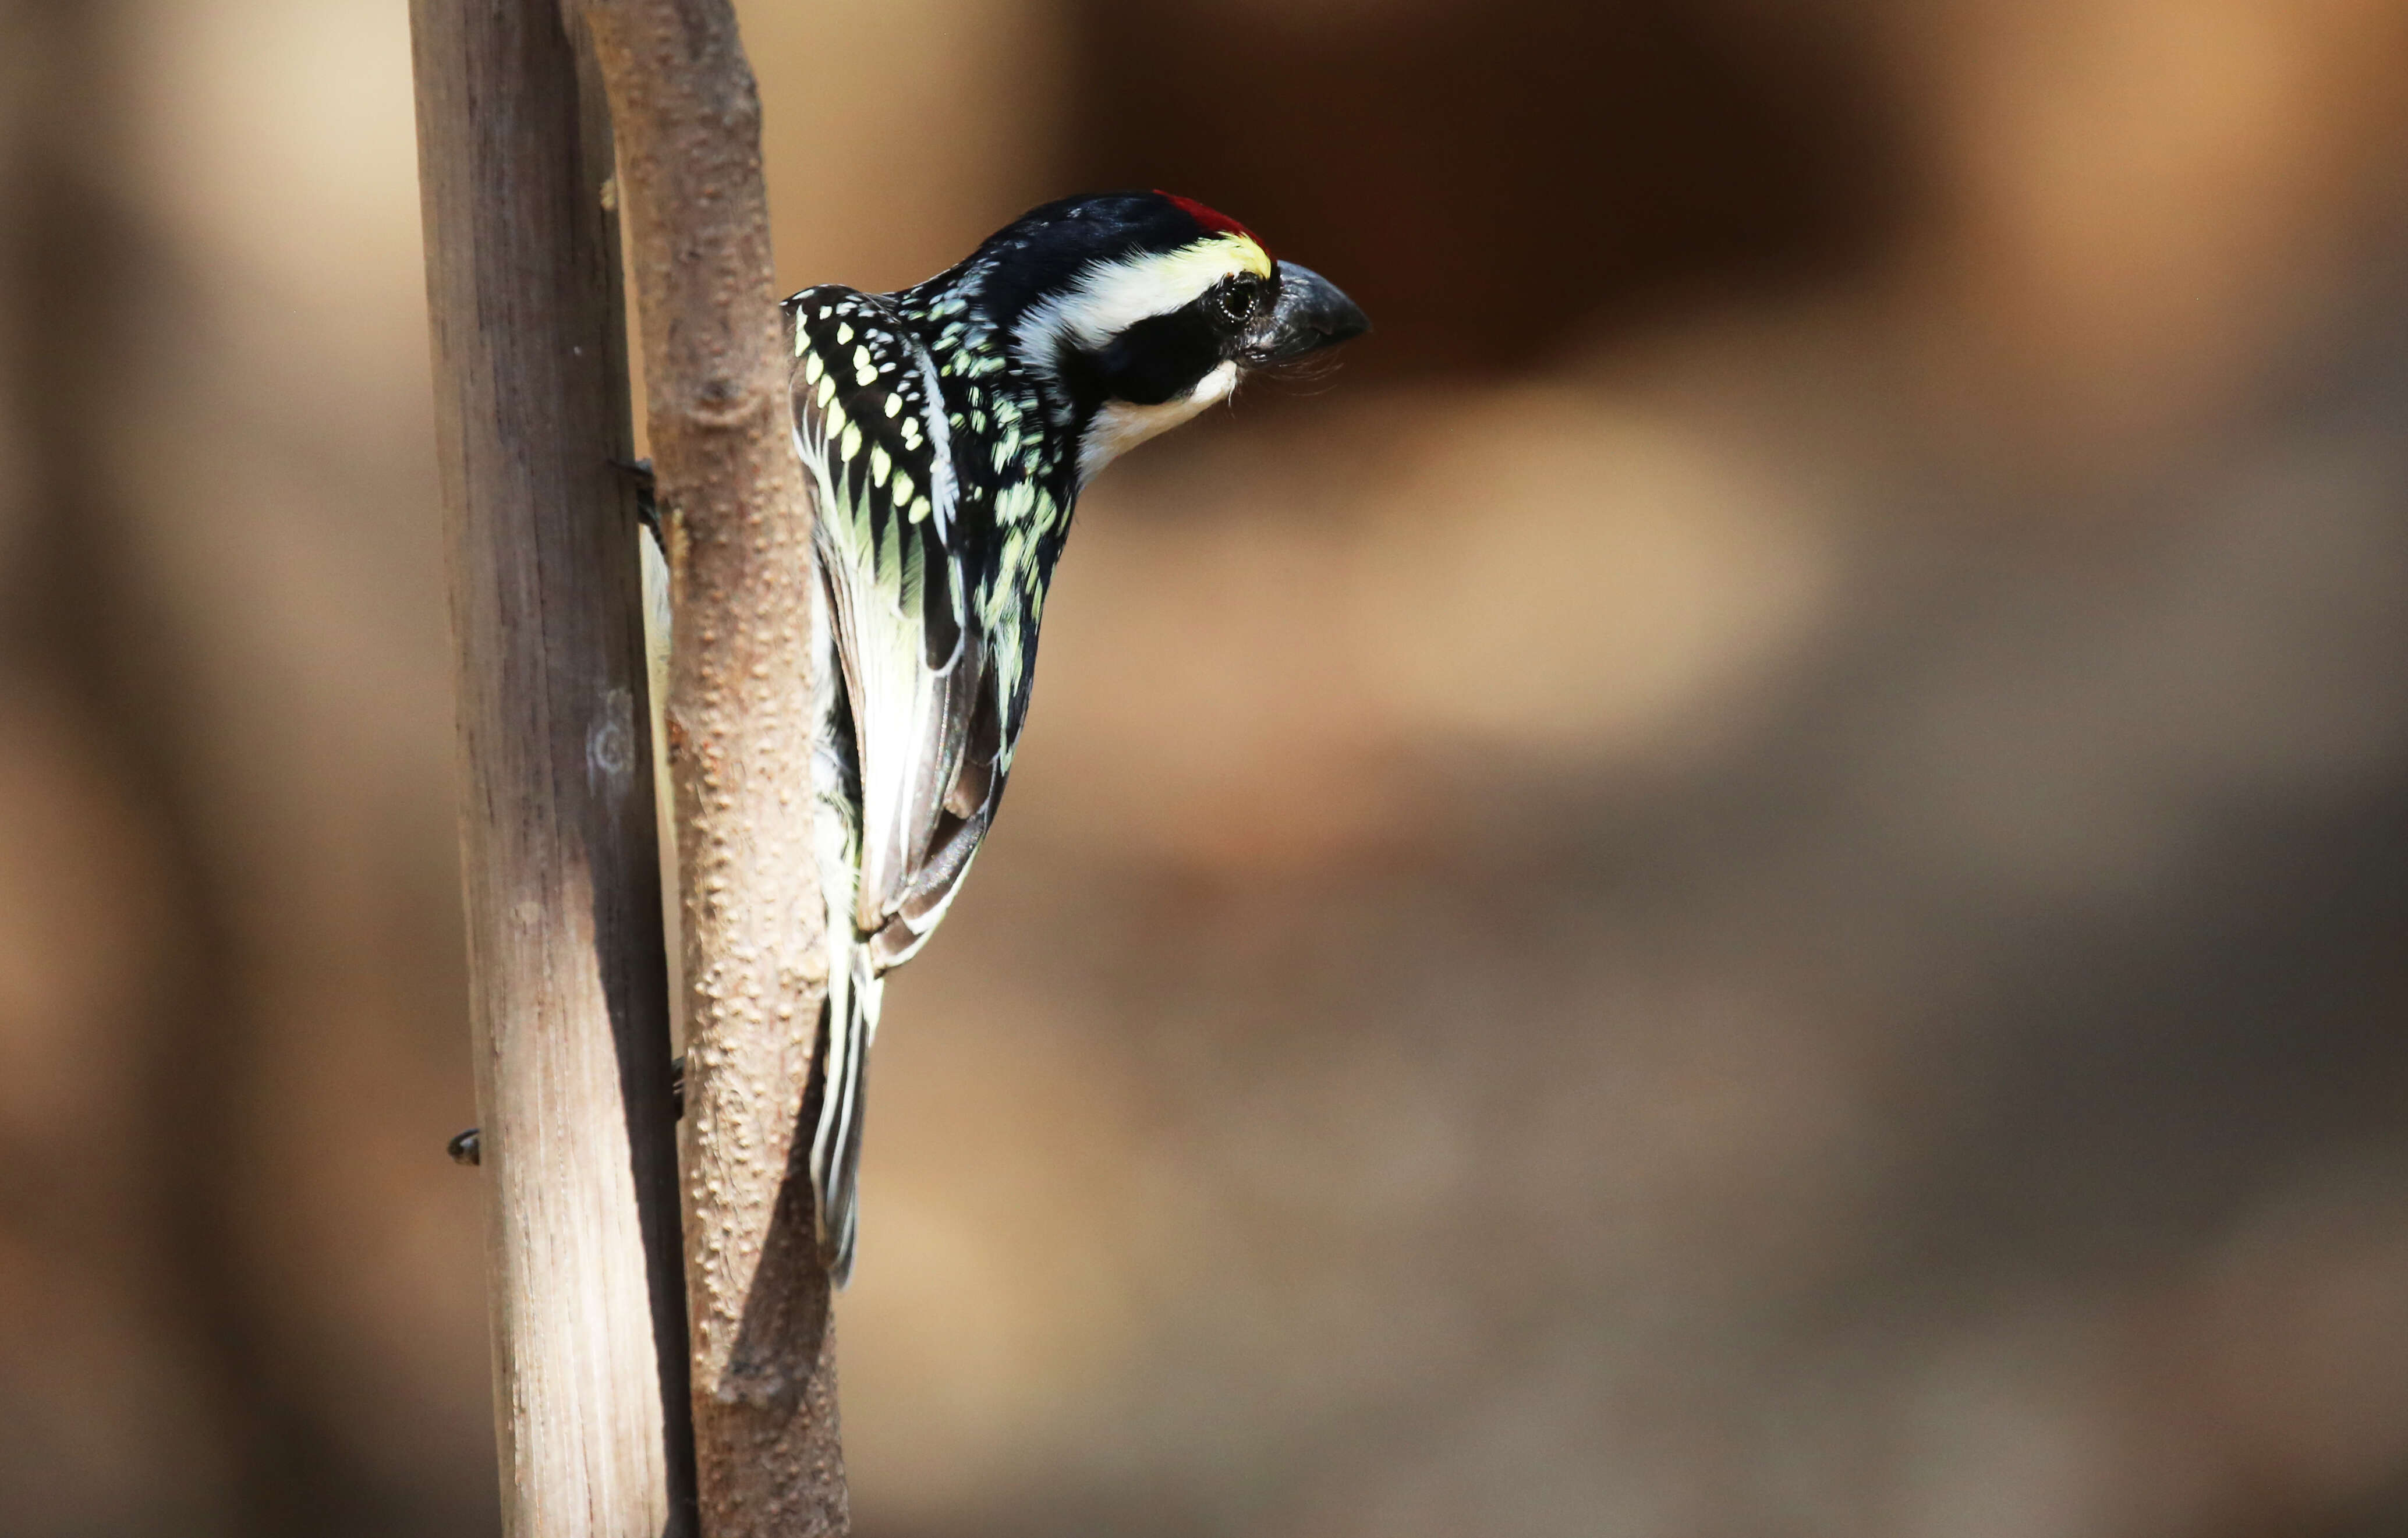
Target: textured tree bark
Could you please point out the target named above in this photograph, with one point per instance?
(561, 862)
(741, 729)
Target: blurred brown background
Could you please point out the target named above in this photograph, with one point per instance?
(1749, 881)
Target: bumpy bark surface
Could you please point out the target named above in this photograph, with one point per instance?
(740, 727)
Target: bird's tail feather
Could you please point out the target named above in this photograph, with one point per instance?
(855, 994)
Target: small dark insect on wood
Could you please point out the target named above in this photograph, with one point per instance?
(467, 1146)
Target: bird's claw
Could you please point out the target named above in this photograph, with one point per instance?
(648, 505)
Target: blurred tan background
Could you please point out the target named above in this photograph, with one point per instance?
(1748, 881)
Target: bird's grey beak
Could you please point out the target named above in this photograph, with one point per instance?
(1311, 314)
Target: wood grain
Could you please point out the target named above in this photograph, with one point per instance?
(558, 849)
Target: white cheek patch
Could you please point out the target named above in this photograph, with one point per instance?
(1113, 296)
(1120, 427)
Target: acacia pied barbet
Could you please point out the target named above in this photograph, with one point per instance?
(946, 431)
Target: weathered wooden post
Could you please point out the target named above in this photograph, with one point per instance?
(590, 1332)
(561, 864)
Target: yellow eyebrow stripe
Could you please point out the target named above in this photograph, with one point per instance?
(1250, 256)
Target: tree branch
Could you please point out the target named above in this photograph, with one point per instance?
(742, 719)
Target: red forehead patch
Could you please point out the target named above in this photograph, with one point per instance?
(1211, 219)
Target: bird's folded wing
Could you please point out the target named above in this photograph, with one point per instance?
(870, 426)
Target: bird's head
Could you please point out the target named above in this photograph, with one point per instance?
(1136, 310)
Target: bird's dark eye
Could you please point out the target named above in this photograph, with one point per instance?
(1236, 302)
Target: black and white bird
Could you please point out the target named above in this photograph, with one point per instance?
(947, 431)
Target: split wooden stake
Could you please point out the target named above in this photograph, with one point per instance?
(560, 863)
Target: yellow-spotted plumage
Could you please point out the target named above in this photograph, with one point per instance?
(946, 431)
